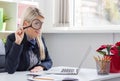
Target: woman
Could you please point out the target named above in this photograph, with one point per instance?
(26, 49)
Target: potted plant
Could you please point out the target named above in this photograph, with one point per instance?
(5, 19)
(103, 62)
(112, 52)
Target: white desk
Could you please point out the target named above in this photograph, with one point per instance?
(91, 75)
(84, 75)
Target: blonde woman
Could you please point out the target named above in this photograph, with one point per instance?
(26, 49)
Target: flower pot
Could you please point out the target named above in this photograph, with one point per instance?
(115, 63)
(4, 26)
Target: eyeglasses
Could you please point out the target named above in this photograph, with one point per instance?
(36, 24)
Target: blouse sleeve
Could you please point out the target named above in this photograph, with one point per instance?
(13, 52)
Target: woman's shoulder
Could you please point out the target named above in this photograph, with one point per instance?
(43, 39)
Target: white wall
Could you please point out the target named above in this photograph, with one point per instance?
(46, 7)
(68, 49)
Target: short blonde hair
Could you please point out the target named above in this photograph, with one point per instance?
(30, 14)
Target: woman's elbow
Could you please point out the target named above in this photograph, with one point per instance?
(10, 71)
(9, 68)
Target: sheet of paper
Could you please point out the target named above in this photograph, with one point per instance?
(53, 78)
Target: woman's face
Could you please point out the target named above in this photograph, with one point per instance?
(35, 28)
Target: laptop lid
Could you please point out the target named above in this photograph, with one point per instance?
(59, 69)
(84, 58)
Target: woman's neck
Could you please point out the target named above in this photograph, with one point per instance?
(29, 37)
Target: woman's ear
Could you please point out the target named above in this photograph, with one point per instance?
(25, 23)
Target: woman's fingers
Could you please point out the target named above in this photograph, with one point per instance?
(19, 34)
(20, 31)
(37, 68)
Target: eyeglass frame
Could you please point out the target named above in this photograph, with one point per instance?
(32, 26)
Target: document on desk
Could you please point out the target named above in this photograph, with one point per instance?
(35, 73)
(53, 78)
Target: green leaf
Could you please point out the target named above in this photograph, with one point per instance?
(4, 40)
(102, 52)
(5, 18)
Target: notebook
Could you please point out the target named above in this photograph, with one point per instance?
(63, 70)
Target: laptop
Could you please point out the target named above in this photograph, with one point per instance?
(63, 70)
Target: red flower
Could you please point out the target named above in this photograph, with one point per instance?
(102, 51)
(116, 49)
(109, 49)
(101, 48)
(117, 44)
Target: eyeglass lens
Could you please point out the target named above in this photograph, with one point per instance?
(36, 24)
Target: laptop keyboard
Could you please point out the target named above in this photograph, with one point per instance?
(67, 70)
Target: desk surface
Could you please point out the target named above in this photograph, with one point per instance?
(84, 75)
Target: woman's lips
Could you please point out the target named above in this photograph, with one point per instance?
(38, 32)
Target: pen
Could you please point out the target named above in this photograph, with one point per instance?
(99, 58)
(43, 78)
(96, 59)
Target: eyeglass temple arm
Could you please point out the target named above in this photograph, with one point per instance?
(26, 27)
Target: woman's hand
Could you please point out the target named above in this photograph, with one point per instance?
(37, 68)
(19, 34)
